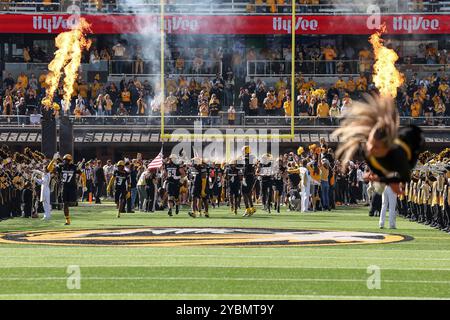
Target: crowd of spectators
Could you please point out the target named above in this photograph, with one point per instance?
(329, 59)
(424, 99)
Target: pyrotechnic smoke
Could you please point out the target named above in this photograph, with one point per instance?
(70, 46)
(385, 75)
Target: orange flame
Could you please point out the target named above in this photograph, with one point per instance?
(385, 75)
(70, 46)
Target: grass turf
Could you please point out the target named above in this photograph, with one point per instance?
(417, 269)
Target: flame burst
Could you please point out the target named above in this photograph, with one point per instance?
(70, 46)
(385, 75)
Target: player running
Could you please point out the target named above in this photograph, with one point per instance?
(233, 177)
(173, 173)
(68, 176)
(264, 170)
(122, 182)
(248, 183)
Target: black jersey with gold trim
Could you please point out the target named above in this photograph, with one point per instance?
(396, 166)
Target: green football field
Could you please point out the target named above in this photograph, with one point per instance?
(415, 269)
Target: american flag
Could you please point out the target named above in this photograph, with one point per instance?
(157, 162)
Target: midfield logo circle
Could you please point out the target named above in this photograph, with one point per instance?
(186, 237)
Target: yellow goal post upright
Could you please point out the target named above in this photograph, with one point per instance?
(226, 136)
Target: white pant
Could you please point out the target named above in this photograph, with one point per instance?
(305, 197)
(389, 200)
(47, 208)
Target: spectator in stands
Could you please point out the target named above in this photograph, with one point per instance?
(94, 59)
(125, 98)
(22, 81)
(287, 106)
(171, 106)
(253, 106)
(302, 104)
(245, 97)
(203, 111)
(27, 55)
(361, 83)
(364, 60)
(341, 85)
(119, 55)
(416, 109)
(99, 106)
(229, 90)
(9, 81)
(108, 103)
(323, 111)
(122, 110)
(269, 103)
(351, 86)
(428, 110)
(138, 61)
(334, 113)
(104, 55)
(431, 54)
(22, 111)
(142, 106)
(329, 55)
(8, 104)
(214, 108)
(231, 115)
(440, 110)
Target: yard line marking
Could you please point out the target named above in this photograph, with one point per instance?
(212, 296)
(299, 257)
(221, 267)
(225, 279)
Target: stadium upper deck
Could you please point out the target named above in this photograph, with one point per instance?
(225, 7)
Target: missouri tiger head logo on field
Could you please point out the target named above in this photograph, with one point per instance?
(179, 237)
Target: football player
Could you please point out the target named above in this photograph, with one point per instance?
(68, 176)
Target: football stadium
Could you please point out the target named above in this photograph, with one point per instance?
(224, 150)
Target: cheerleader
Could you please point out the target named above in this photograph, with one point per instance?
(391, 153)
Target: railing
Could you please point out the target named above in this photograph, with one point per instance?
(223, 7)
(221, 121)
(264, 68)
(152, 68)
(268, 68)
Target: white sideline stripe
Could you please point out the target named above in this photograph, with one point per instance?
(212, 296)
(299, 257)
(219, 267)
(224, 279)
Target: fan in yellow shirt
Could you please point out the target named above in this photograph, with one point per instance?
(22, 81)
(416, 109)
(323, 109)
(361, 83)
(287, 106)
(340, 84)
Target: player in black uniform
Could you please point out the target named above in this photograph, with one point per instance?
(68, 176)
(233, 177)
(199, 189)
(248, 183)
(293, 172)
(122, 182)
(278, 183)
(173, 174)
(264, 170)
